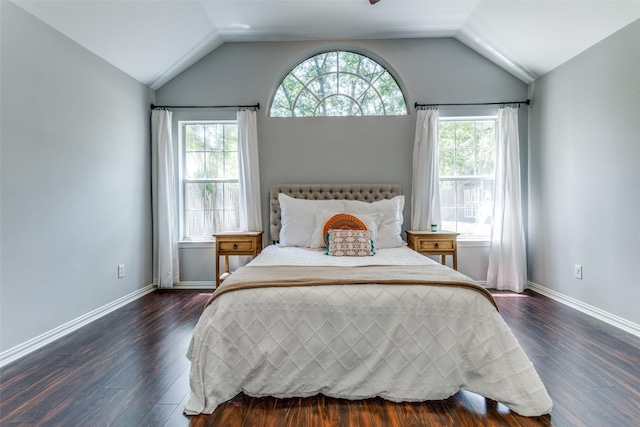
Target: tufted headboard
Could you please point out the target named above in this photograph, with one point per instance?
(362, 192)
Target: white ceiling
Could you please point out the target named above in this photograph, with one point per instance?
(154, 40)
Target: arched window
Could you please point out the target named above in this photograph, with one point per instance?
(338, 83)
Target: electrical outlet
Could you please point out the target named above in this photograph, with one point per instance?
(577, 271)
(120, 271)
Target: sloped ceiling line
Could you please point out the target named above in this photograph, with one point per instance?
(155, 40)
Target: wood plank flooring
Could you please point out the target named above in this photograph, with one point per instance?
(129, 369)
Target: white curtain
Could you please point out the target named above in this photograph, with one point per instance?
(425, 188)
(507, 256)
(249, 197)
(165, 224)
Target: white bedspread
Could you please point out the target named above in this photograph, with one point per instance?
(399, 342)
(293, 256)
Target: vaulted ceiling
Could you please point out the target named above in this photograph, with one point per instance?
(155, 40)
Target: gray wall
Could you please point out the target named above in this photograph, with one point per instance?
(75, 188)
(346, 149)
(584, 199)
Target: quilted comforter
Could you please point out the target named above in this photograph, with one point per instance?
(402, 341)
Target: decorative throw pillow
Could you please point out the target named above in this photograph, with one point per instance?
(318, 238)
(343, 221)
(349, 243)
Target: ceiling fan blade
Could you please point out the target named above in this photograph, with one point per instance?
(373, 1)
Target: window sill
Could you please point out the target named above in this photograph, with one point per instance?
(197, 244)
(470, 242)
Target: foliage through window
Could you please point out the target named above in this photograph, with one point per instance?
(466, 151)
(209, 176)
(338, 83)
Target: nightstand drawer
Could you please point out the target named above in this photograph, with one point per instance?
(237, 246)
(435, 245)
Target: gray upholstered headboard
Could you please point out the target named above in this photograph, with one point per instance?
(362, 192)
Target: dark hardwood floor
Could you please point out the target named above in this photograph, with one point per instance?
(129, 369)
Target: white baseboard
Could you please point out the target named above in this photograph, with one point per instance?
(25, 348)
(204, 284)
(592, 311)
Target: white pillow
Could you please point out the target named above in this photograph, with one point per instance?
(390, 231)
(298, 218)
(371, 221)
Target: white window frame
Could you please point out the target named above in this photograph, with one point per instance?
(182, 180)
(470, 240)
(306, 89)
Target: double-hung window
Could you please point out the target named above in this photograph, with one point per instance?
(466, 150)
(209, 178)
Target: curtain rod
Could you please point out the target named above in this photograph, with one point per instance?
(166, 107)
(527, 102)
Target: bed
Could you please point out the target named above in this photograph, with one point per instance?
(302, 319)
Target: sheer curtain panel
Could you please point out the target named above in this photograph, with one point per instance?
(165, 223)
(249, 198)
(425, 188)
(507, 256)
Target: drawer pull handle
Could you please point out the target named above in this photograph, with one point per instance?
(435, 246)
(235, 246)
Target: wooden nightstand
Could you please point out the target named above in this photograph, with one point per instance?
(235, 243)
(435, 243)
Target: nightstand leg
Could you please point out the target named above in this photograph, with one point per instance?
(444, 259)
(455, 261)
(217, 271)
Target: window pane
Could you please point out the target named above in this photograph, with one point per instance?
(281, 107)
(231, 211)
(315, 66)
(194, 223)
(465, 135)
(193, 196)
(352, 86)
(485, 162)
(486, 135)
(231, 169)
(465, 162)
(339, 106)
(213, 138)
(387, 87)
(394, 103)
(324, 86)
(350, 62)
(194, 137)
(372, 103)
(215, 164)
(195, 165)
(306, 105)
(447, 135)
(231, 137)
(486, 144)
(283, 102)
(445, 160)
(370, 69)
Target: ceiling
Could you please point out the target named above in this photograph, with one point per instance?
(155, 40)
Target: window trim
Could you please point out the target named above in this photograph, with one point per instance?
(470, 241)
(183, 240)
(373, 57)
